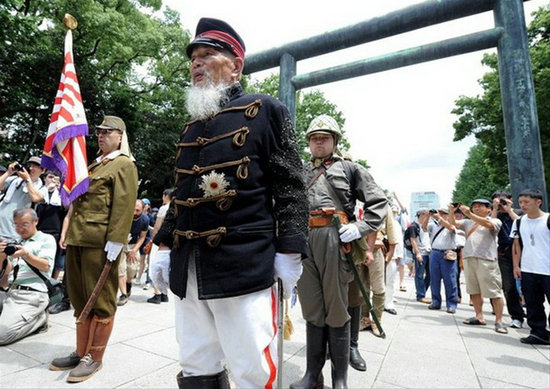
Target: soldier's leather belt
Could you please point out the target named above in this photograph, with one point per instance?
(213, 237)
(325, 217)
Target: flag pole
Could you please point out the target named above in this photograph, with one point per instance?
(65, 145)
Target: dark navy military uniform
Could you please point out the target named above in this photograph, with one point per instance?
(257, 207)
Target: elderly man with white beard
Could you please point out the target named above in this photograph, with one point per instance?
(240, 219)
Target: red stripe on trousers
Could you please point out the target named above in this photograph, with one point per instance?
(270, 363)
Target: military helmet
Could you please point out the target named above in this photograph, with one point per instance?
(324, 124)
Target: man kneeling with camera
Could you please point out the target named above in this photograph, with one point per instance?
(24, 296)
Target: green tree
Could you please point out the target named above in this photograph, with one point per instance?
(482, 117)
(473, 181)
(308, 106)
(129, 62)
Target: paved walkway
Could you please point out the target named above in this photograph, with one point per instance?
(423, 349)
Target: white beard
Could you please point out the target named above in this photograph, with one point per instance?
(203, 102)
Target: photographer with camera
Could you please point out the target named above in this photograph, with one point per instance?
(23, 304)
(21, 190)
(502, 210)
(480, 259)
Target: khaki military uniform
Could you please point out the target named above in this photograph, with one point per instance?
(323, 287)
(103, 214)
(372, 275)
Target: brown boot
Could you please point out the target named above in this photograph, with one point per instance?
(100, 331)
(72, 360)
(103, 329)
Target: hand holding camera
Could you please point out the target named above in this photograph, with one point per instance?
(20, 170)
(7, 247)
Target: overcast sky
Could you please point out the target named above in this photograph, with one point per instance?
(400, 120)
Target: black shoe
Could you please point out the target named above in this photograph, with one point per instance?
(61, 306)
(533, 339)
(431, 306)
(123, 299)
(65, 363)
(391, 311)
(156, 299)
(163, 298)
(451, 310)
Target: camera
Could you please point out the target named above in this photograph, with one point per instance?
(502, 202)
(18, 167)
(432, 211)
(456, 205)
(10, 249)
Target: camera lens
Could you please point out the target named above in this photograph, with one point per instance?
(10, 250)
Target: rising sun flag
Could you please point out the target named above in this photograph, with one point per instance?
(65, 146)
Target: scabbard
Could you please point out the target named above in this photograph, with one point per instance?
(95, 293)
(349, 257)
(280, 308)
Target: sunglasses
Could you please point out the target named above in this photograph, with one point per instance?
(104, 131)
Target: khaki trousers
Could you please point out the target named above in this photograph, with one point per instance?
(323, 287)
(373, 279)
(84, 265)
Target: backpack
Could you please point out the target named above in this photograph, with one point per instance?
(407, 236)
(518, 223)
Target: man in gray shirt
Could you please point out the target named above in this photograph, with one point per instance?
(480, 260)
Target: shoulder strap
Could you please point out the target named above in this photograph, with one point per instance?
(39, 274)
(472, 230)
(437, 233)
(518, 233)
(322, 169)
(4, 266)
(548, 221)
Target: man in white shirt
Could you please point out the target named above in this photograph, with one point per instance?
(531, 256)
(23, 305)
(21, 190)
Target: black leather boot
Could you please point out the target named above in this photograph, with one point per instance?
(338, 342)
(355, 359)
(316, 351)
(215, 381)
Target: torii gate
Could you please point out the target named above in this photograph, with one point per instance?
(509, 35)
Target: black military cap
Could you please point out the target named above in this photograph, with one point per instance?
(218, 34)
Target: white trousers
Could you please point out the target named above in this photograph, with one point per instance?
(391, 271)
(238, 330)
(22, 312)
(160, 266)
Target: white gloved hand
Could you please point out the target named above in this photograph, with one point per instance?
(288, 267)
(113, 249)
(349, 232)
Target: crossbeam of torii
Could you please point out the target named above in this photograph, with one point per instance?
(509, 36)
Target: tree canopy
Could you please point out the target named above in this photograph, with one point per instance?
(130, 61)
(482, 117)
(308, 106)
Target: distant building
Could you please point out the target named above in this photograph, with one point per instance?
(426, 200)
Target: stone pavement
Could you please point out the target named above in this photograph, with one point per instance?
(423, 349)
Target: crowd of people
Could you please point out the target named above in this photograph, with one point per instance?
(245, 212)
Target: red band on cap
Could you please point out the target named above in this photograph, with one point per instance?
(226, 38)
